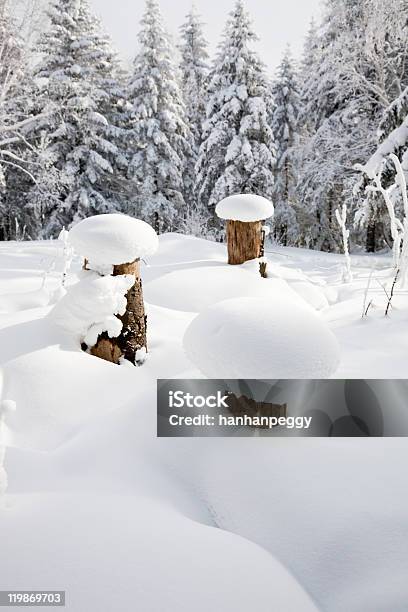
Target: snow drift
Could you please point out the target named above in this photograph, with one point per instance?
(257, 338)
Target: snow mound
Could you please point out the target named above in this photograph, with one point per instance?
(254, 338)
(244, 207)
(311, 294)
(177, 553)
(89, 307)
(193, 289)
(113, 239)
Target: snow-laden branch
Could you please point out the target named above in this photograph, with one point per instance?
(19, 167)
(23, 123)
(398, 227)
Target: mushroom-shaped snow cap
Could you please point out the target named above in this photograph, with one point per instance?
(113, 239)
(252, 337)
(244, 207)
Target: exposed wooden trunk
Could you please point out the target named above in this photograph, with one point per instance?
(371, 239)
(262, 269)
(243, 405)
(244, 241)
(133, 336)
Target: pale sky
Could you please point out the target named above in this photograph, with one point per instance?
(277, 22)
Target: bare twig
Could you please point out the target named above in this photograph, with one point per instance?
(365, 307)
(392, 292)
(370, 303)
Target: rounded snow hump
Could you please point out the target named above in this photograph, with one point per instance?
(113, 239)
(244, 207)
(252, 337)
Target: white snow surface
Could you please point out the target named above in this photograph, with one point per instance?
(244, 207)
(292, 525)
(194, 289)
(112, 239)
(258, 338)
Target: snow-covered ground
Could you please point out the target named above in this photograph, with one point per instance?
(121, 520)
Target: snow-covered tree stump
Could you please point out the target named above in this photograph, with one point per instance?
(132, 341)
(115, 327)
(244, 241)
(244, 215)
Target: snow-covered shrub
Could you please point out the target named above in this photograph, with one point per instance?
(67, 255)
(260, 338)
(195, 223)
(399, 227)
(341, 220)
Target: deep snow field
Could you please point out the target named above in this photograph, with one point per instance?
(123, 521)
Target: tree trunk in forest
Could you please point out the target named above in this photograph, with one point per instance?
(371, 237)
(244, 241)
(133, 335)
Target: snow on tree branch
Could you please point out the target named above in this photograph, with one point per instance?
(341, 220)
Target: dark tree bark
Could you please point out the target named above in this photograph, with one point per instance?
(243, 405)
(262, 269)
(244, 241)
(371, 238)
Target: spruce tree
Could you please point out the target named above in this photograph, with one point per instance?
(160, 139)
(80, 147)
(285, 129)
(307, 120)
(194, 72)
(237, 154)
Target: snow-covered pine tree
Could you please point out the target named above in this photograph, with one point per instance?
(160, 139)
(111, 79)
(285, 129)
(309, 62)
(80, 144)
(237, 154)
(194, 72)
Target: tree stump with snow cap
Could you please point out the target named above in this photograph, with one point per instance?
(244, 214)
(113, 245)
